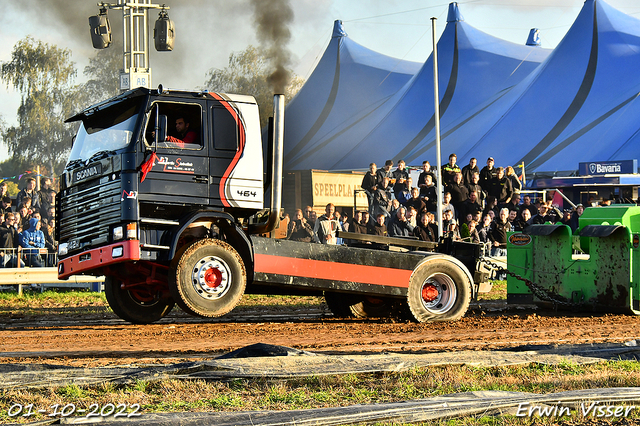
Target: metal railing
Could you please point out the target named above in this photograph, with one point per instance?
(14, 273)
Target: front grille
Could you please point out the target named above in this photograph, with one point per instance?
(87, 213)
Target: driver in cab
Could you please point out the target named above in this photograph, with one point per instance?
(185, 135)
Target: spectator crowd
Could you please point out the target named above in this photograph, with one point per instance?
(478, 205)
(27, 229)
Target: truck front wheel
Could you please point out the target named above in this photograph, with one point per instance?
(439, 290)
(138, 307)
(208, 279)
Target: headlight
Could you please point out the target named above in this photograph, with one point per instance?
(63, 249)
(118, 233)
(116, 252)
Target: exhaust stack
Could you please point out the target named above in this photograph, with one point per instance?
(278, 149)
(277, 139)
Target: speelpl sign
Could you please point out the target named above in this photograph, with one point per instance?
(608, 167)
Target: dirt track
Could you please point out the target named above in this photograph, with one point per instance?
(106, 340)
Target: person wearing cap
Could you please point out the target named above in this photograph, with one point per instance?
(487, 173)
(449, 170)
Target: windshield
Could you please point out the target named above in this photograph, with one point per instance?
(105, 131)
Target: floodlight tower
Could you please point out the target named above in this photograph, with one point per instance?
(136, 71)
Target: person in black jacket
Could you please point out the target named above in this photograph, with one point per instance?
(459, 193)
(422, 179)
(498, 233)
(416, 202)
(401, 177)
(541, 217)
(398, 225)
(469, 170)
(474, 185)
(299, 229)
(9, 242)
(381, 200)
(487, 174)
(425, 231)
(370, 183)
(470, 205)
(429, 194)
(379, 228)
(501, 187)
(575, 217)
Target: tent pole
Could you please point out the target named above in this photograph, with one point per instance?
(436, 97)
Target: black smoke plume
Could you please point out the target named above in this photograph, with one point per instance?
(272, 18)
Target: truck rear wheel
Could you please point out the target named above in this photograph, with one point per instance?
(135, 306)
(439, 290)
(209, 279)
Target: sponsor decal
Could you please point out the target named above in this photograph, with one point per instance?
(519, 239)
(176, 166)
(87, 173)
(595, 168)
(132, 195)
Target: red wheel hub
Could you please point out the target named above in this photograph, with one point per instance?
(213, 277)
(429, 293)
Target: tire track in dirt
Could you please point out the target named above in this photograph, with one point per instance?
(91, 339)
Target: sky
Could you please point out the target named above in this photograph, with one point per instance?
(208, 31)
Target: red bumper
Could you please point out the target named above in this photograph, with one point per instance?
(98, 258)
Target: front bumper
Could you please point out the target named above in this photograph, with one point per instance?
(97, 258)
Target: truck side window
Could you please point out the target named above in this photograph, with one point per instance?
(184, 125)
(225, 130)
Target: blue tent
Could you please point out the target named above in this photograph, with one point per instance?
(399, 123)
(517, 103)
(348, 83)
(579, 105)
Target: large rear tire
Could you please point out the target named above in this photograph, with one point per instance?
(439, 290)
(137, 306)
(338, 303)
(372, 307)
(345, 305)
(208, 279)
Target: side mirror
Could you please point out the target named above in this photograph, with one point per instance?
(161, 129)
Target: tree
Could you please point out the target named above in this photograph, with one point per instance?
(247, 73)
(43, 74)
(103, 73)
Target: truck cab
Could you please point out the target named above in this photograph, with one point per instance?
(131, 194)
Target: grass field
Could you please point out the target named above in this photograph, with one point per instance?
(331, 391)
